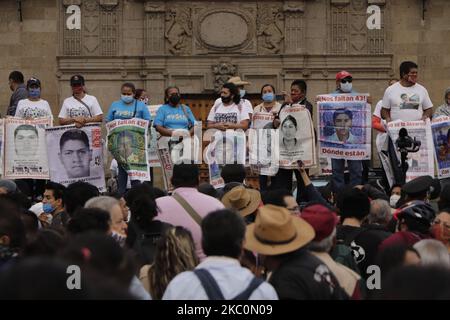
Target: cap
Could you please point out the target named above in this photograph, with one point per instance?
(77, 80)
(33, 82)
(321, 218)
(343, 74)
(418, 185)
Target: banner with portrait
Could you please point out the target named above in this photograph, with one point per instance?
(25, 152)
(262, 120)
(264, 151)
(227, 147)
(166, 162)
(76, 154)
(440, 128)
(296, 137)
(152, 139)
(344, 122)
(420, 163)
(127, 142)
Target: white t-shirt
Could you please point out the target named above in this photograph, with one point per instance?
(245, 104)
(33, 109)
(406, 103)
(72, 108)
(231, 113)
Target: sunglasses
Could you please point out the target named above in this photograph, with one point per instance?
(346, 80)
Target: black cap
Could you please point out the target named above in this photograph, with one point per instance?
(418, 185)
(77, 80)
(33, 82)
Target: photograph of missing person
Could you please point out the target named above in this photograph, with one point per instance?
(75, 153)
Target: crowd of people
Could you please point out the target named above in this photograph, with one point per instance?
(354, 240)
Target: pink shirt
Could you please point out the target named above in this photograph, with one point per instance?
(172, 212)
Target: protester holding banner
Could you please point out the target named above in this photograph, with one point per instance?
(81, 108)
(284, 178)
(33, 107)
(263, 116)
(228, 112)
(127, 108)
(344, 85)
(173, 115)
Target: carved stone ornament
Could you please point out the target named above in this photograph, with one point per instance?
(222, 72)
(224, 29)
(154, 7)
(67, 3)
(178, 30)
(294, 6)
(270, 28)
(108, 4)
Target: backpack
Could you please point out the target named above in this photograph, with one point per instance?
(213, 291)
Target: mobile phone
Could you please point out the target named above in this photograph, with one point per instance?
(279, 97)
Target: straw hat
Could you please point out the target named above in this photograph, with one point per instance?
(238, 81)
(277, 231)
(244, 200)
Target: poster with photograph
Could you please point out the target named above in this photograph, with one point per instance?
(296, 135)
(262, 120)
(76, 154)
(264, 153)
(440, 128)
(166, 162)
(344, 122)
(25, 153)
(127, 142)
(420, 163)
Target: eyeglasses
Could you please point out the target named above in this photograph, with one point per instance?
(294, 210)
(346, 80)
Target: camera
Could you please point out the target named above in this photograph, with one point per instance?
(405, 143)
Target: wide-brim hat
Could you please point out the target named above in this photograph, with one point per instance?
(276, 231)
(243, 200)
(238, 81)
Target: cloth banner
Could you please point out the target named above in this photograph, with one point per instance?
(127, 142)
(420, 163)
(344, 122)
(76, 154)
(296, 137)
(440, 128)
(25, 153)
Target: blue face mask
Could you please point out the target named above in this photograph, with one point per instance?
(268, 97)
(127, 99)
(242, 93)
(34, 92)
(47, 207)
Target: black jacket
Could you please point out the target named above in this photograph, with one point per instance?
(302, 276)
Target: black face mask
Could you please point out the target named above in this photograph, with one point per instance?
(226, 99)
(174, 99)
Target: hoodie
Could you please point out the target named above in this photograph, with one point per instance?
(443, 110)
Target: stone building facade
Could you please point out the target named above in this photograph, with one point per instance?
(198, 44)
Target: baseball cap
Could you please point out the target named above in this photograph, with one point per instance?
(322, 219)
(342, 75)
(77, 80)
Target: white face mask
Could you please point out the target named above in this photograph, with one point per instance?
(242, 93)
(393, 200)
(346, 87)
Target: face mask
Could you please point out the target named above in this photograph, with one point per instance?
(174, 99)
(268, 97)
(120, 239)
(34, 92)
(393, 200)
(127, 99)
(77, 90)
(242, 93)
(346, 87)
(412, 79)
(47, 208)
(226, 99)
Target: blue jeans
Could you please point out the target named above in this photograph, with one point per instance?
(338, 167)
(122, 181)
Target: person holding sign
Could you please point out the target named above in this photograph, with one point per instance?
(127, 108)
(80, 108)
(33, 107)
(228, 113)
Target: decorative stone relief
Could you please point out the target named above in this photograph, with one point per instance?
(223, 71)
(179, 30)
(110, 17)
(90, 27)
(71, 43)
(270, 28)
(294, 30)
